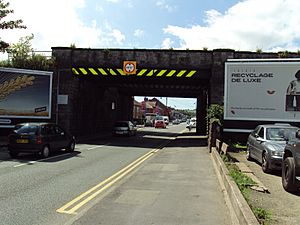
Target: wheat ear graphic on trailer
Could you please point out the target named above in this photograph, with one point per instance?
(9, 87)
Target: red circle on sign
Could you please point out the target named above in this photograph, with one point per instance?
(129, 67)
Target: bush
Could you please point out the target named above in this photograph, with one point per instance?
(262, 215)
(215, 112)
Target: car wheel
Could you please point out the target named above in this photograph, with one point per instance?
(13, 154)
(265, 165)
(288, 175)
(45, 152)
(71, 146)
(248, 154)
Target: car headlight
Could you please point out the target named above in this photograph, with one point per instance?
(277, 153)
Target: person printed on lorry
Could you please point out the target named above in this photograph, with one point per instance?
(293, 94)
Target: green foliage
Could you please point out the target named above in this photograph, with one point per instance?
(240, 178)
(237, 144)
(244, 182)
(10, 24)
(22, 56)
(225, 158)
(188, 112)
(283, 54)
(21, 50)
(205, 49)
(262, 215)
(215, 111)
(259, 50)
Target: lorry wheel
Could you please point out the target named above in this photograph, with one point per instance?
(288, 175)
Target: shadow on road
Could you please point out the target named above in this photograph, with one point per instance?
(151, 139)
(144, 139)
(28, 157)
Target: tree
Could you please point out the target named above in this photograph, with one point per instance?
(23, 56)
(10, 24)
(21, 51)
(215, 112)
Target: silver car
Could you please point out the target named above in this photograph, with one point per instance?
(125, 127)
(266, 144)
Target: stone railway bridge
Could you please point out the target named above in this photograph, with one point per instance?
(96, 92)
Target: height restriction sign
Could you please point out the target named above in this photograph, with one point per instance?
(129, 67)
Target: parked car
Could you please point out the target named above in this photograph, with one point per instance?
(266, 144)
(291, 164)
(41, 138)
(176, 121)
(160, 123)
(125, 127)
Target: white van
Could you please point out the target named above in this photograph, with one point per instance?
(166, 119)
(193, 122)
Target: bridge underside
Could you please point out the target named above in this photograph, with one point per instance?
(105, 93)
(161, 89)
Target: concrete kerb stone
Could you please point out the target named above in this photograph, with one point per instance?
(242, 212)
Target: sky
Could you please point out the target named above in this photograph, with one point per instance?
(246, 25)
(176, 103)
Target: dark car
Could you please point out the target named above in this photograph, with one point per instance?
(41, 138)
(125, 127)
(291, 164)
(266, 144)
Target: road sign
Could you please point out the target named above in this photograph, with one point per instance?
(129, 67)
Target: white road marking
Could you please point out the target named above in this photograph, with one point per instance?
(99, 146)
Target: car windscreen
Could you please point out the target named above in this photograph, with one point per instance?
(26, 129)
(280, 134)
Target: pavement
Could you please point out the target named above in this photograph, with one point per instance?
(177, 185)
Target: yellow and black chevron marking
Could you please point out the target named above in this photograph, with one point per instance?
(139, 73)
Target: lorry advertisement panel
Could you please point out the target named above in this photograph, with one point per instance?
(25, 93)
(265, 91)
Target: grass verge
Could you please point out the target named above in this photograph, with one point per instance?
(244, 183)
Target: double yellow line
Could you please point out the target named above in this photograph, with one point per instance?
(81, 200)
